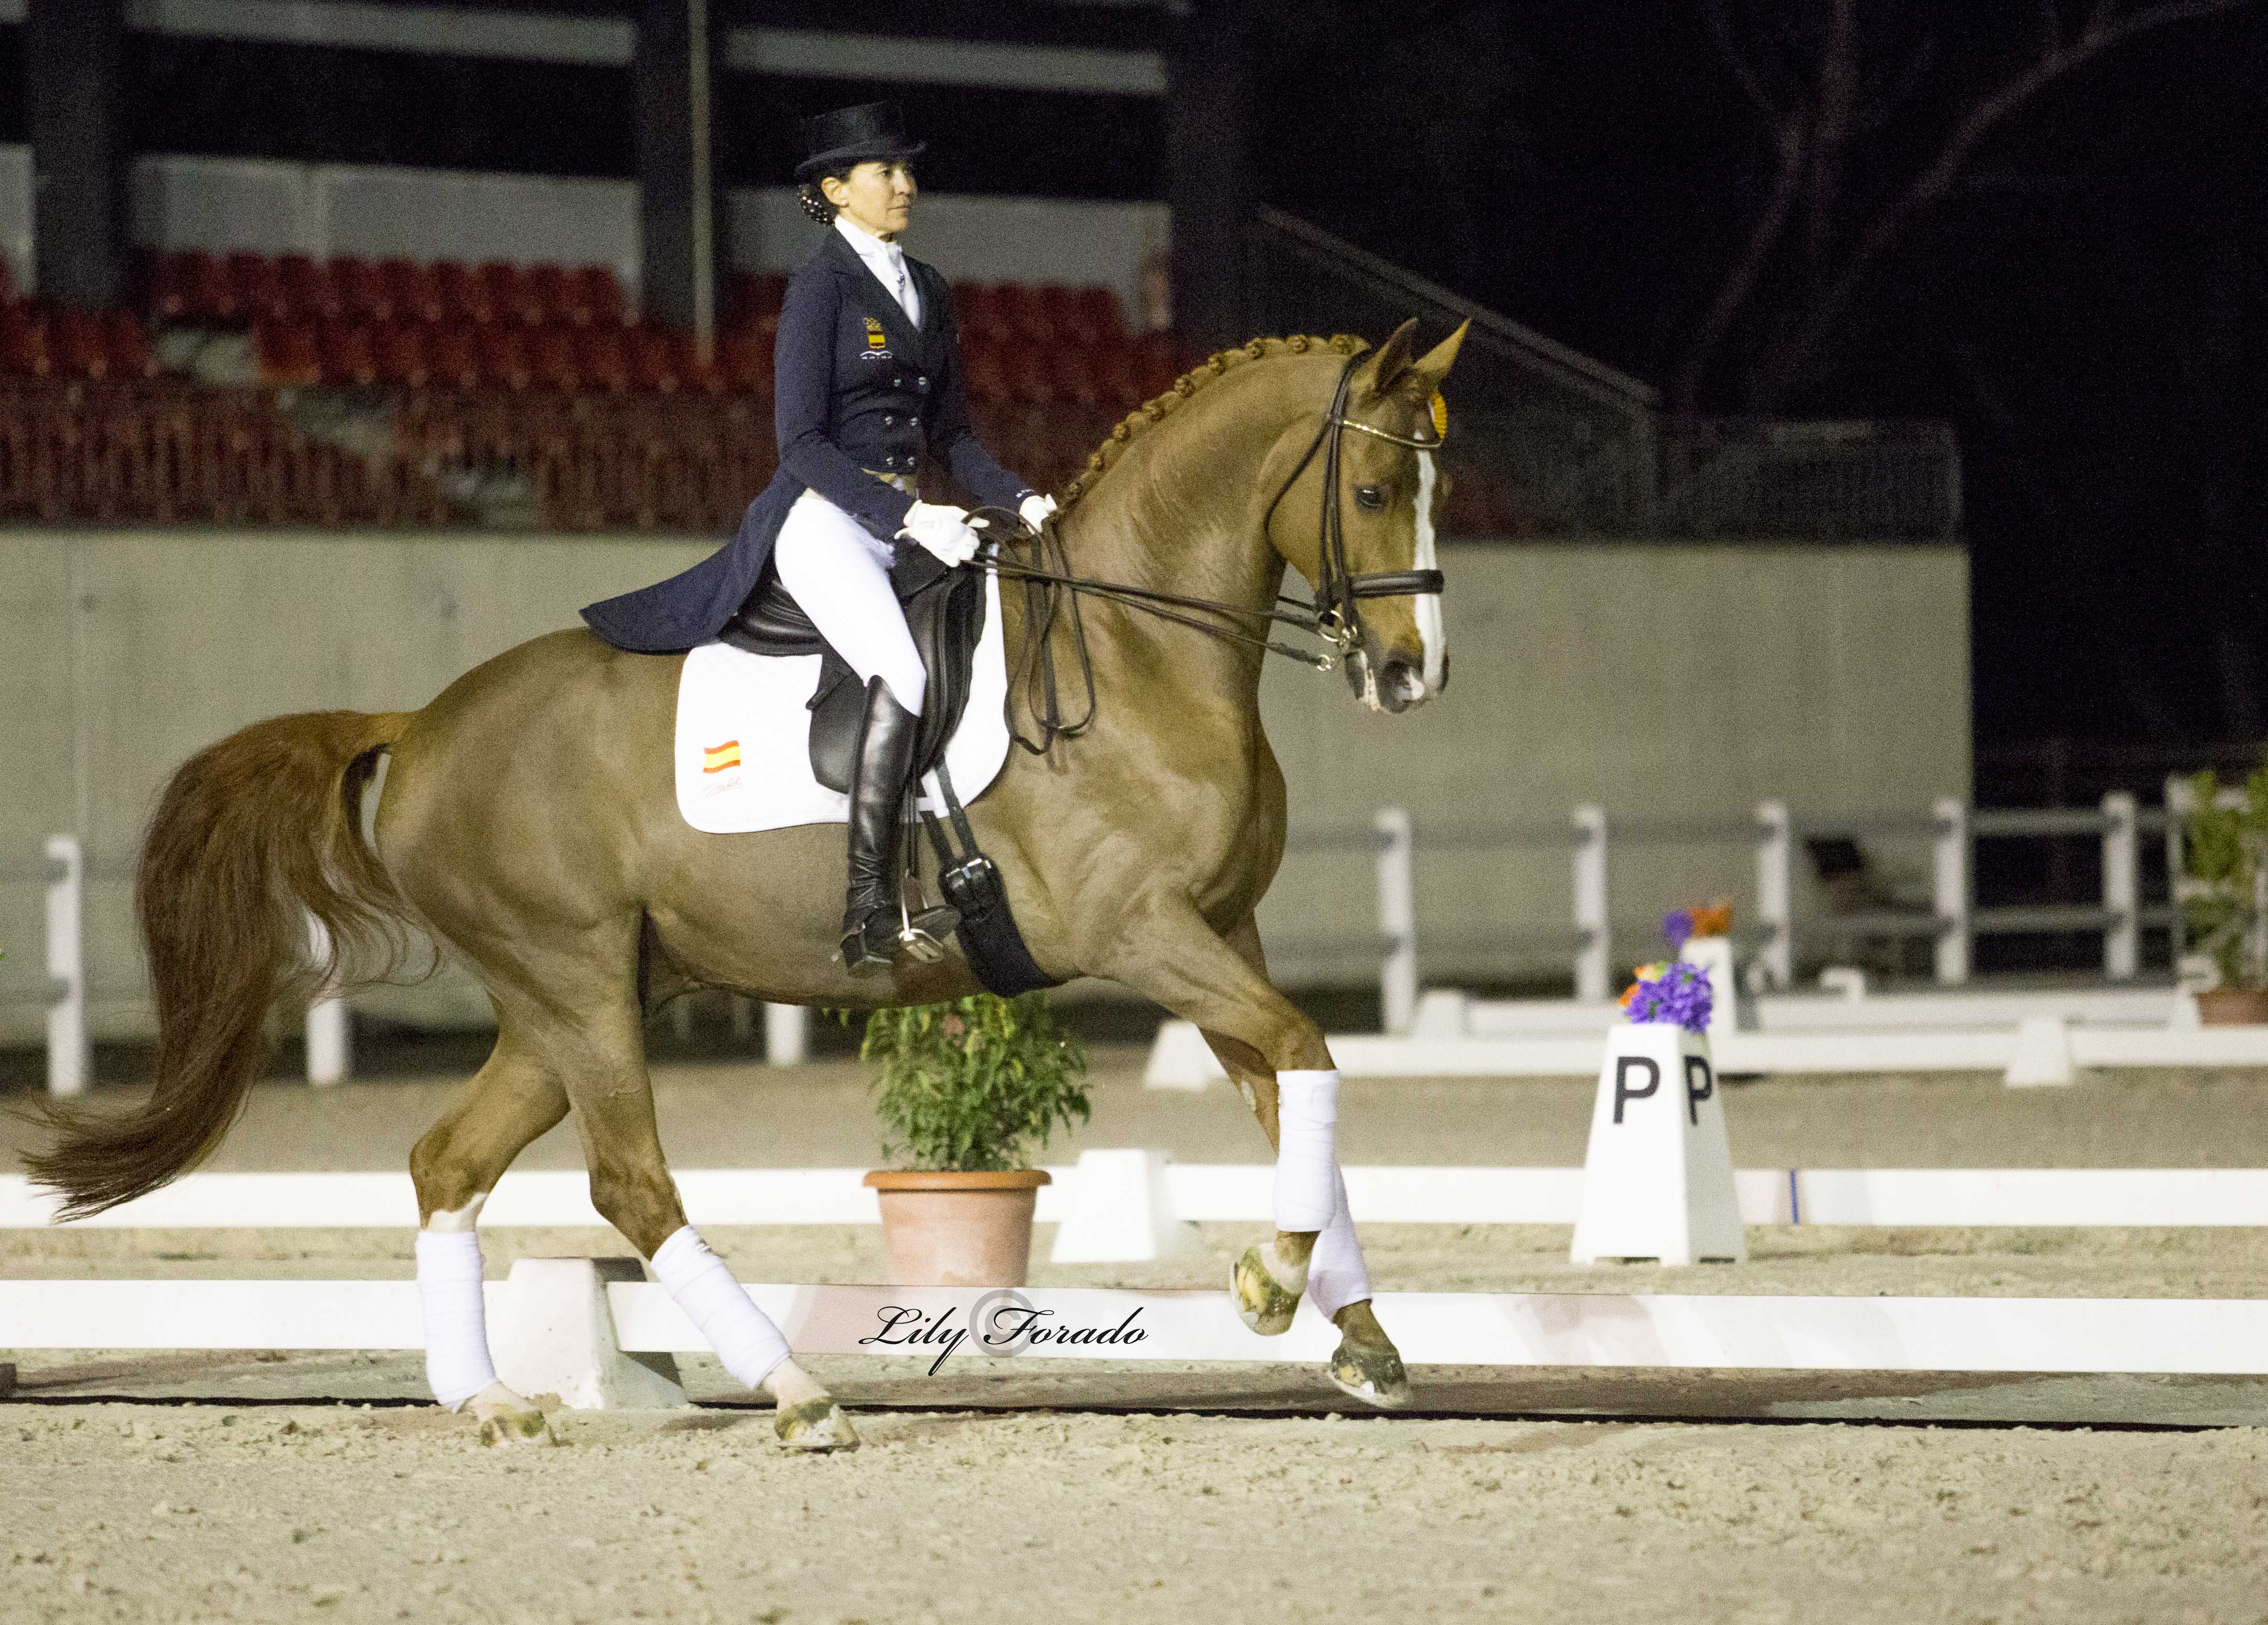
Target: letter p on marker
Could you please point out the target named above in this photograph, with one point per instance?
(1693, 1096)
(1624, 1065)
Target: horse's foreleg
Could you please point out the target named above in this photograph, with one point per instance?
(509, 1103)
(1367, 1364)
(633, 1190)
(1284, 1067)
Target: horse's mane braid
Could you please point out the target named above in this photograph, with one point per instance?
(1195, 378)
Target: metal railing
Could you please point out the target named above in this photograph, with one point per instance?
(1951, 923)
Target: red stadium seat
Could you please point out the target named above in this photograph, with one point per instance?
(1094, 316)
(349, 355)
(24, 343)
(452, 355)
(259, 288)
(692, 375)
(653, 360)
(511, 296)
(505, 360)
(1026, 316)
(602, 358)
(362, 292)
(75, 340)
(289, 352)
(309, 292)
(1157, 362)
(190, 286)
(1031, 373)
(551, 359)
(131, 355)
(753, 299)
(982, 361)
(978, 308)
(744, 360)
(7, 280)
(399, 349)
(464, 297)
(558, 294)
(600, 294)
(411, 293)
(1077, 376)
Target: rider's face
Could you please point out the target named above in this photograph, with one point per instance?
(879, 197)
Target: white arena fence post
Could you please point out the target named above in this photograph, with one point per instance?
(1397, 918)
(2122, 888)
(1775, 892)
(1950, 891)
(2179, 803)
(787, 1029)
(1594, 947)
(329, 1033)
(68, 1052)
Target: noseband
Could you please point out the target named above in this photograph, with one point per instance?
(1338, 617)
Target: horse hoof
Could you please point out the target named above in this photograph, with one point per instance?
(816, 1424)
(1371, 1373)
(1264, 1302)
(507, 1419)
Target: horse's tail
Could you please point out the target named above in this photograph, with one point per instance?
(251, 836)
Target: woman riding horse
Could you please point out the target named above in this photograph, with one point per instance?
(867, 377)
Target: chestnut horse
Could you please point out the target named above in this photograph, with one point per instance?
(527, 819)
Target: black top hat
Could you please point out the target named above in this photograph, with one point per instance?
(848, 136)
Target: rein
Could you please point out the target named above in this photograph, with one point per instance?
(1334, 615)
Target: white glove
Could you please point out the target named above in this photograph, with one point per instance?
(947, 532)
(1036, 508)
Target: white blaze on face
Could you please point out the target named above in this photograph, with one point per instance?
(1429, 604)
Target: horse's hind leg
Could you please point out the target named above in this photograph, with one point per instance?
(631, 1186)
(512, 1100)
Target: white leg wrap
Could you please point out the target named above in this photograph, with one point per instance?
(1335, 1276)
(743, 1335)
(1307, 1153)
(457, 1363)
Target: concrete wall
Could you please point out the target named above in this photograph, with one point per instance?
(1666, 682)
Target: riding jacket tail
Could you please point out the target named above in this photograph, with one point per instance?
(857, 393)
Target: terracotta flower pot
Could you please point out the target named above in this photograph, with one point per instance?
(944, 1229)
(2232, 1007)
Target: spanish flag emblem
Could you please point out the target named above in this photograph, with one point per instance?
(716, 758)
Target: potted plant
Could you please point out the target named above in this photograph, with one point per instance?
(2223, 893)
(968, 1093)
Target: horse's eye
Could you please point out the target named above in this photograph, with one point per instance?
(1370, 496)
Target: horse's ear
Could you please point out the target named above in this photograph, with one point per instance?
(1434, 365)
(1379, 370)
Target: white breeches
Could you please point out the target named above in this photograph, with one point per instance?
(840, 573)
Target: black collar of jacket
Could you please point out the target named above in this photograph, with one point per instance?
(882, 305)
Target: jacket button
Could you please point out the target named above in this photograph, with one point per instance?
(924, 382)
(887, 418)
(913, 422)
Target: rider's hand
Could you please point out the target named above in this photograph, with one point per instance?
(1034, 509)
(947, 532)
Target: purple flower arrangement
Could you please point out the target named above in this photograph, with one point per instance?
(1674, 992)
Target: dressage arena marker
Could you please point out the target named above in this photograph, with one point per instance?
(594, 1323)
(1220, 1193)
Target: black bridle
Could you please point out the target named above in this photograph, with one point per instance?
(1334, 614)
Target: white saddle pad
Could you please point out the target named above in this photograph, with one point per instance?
(744, 737)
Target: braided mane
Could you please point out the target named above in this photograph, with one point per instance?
(1195, 378)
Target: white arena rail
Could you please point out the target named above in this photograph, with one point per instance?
(2032, 1334)
(1103, 1190)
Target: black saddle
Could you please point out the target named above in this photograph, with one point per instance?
(944, 611)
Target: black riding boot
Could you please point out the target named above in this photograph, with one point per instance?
(876, 928)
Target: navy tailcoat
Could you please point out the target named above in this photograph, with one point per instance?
(854, 388)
